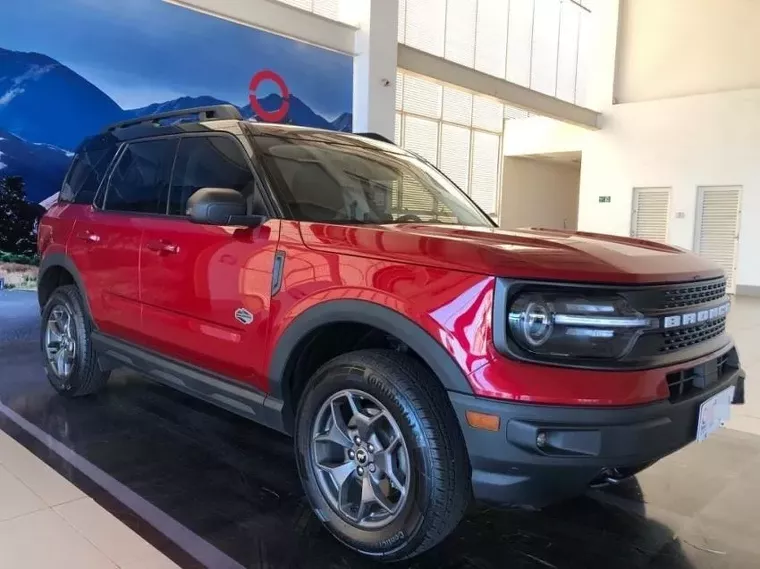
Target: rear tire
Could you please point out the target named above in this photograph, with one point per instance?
(423, 495)
(70, 360)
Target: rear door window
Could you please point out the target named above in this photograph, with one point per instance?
(140, 180)
(209, 162)
(86, 174)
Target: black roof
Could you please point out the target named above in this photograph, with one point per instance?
(216, 112)
(223, 118)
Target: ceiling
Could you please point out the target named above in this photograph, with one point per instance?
(573, 157)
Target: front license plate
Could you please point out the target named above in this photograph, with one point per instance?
(714, 413)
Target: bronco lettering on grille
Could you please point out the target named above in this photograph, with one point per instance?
(694, 317)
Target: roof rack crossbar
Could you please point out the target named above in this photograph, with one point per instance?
(216, 112)
(375, 136)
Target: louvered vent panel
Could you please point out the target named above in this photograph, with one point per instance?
(718, 227)
(422, 97)
(460, 32)
(455, 154)
(650, 214)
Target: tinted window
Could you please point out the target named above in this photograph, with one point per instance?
(342, 182)
(140, 181)
(208, 162)
(86, 173)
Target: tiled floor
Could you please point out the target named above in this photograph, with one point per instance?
(45, 521)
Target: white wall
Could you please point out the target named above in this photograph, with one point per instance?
(680, 143)
(534, 43)
(539, 193)
(687, 71)
(374, 66)
(541, 135)
(674, 48)
(282, 19)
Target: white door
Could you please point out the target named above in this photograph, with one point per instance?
(649, 218)
(717, 231)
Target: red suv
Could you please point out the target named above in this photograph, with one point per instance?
(340, 289)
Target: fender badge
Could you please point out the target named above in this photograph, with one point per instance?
(243, 316)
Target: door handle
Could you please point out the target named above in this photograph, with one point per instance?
(88, 236)
(163, 247)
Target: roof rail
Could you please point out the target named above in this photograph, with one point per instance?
(375, 136)
(216, 112)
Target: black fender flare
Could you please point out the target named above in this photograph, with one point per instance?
(362, 312)
(61, 260)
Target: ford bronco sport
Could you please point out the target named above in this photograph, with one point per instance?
(342, 290)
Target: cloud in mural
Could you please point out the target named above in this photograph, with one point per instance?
(55, 89)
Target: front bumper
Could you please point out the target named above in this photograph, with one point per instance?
(584, 446)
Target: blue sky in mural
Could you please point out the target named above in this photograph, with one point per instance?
(68, 68)
(147, 51)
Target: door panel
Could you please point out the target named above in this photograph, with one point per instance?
(105, 244)
(105, 248)
(191, 294)
(206, 289)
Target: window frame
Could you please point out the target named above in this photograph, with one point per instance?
(112, 168)
(341, 141)
(246, 157)
(106, 173)
(102, 195)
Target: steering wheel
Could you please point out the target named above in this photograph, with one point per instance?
(408, 218)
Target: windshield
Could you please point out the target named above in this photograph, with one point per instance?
(333, 182)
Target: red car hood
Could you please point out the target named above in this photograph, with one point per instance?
(531, 253)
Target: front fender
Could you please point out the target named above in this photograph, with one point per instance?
(362, 312)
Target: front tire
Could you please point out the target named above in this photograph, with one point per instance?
(381, 455)
(70, 360)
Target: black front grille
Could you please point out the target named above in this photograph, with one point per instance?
(692, 335)
(697, 300)
(685, 295)
(683, 384)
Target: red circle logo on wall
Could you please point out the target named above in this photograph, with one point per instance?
(269, 116)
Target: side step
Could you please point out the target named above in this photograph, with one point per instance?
(222, 392)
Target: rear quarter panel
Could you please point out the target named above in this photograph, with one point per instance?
(56, 227)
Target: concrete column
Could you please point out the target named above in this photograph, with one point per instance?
(601, 61)
(375, 66)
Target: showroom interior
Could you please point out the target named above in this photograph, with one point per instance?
(636, 119)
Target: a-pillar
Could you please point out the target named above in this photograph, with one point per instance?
(375, 66)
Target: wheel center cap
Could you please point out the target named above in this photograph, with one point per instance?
(361, 456)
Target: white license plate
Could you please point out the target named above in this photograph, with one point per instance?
(714, 413)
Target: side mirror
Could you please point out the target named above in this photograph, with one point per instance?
(220, 206)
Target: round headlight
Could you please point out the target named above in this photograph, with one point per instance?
(537, 323)
(555, 325)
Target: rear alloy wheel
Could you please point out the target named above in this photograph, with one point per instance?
(60, 341)
(70, 360)
(381, 455)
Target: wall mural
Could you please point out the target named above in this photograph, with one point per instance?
(69, 68)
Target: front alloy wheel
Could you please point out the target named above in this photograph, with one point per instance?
(381, 455)
(361, 458)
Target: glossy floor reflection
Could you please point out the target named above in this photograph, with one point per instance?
(235, 485)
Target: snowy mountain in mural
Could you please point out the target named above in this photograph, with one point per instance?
(44, 101)
(46, 109)
(42, 166)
